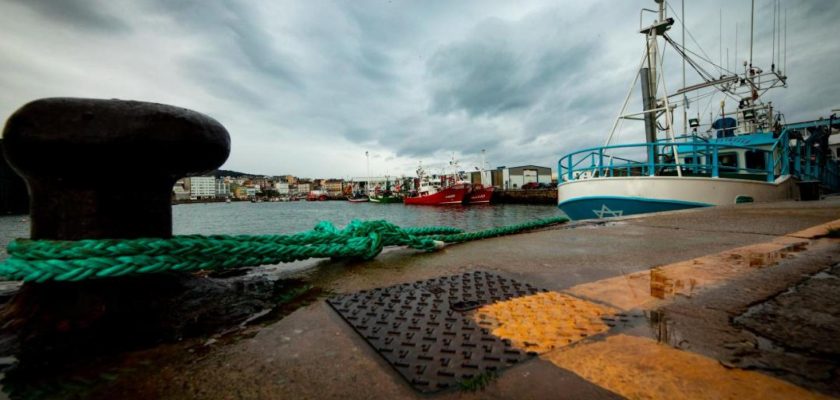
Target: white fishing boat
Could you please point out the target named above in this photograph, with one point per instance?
(747, 154)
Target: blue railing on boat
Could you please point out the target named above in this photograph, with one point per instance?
(598, 162)
(787, 155)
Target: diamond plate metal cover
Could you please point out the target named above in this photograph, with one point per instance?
(426, 331)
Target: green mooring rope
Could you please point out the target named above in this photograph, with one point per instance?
(44, 260)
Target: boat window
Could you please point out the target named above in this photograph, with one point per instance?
(755, 159)
(688, 160)
(728, 160)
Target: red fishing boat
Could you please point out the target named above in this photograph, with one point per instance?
(317, 195)
(480, 194)
(429, 193)
(433, 197)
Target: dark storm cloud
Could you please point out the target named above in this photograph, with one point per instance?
(92, 15)
(416, 80)
(238, 44)
(418, 137)
(498, 69)
(217, 81)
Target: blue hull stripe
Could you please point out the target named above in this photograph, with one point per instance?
(617, 206)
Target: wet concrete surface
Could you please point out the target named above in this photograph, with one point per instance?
(313, 353)
(782, 321)
(778, 218)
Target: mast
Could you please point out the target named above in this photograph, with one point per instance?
(685, 99)
(649, 73)
(483, 167)
(367, 177)
(752, 18)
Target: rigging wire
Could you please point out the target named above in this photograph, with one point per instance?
(700, 70)
(686, 49)
(707, 58)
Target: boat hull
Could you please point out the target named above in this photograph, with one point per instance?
(480, 195)
(615, 197)
(446, 196)
(385, 199)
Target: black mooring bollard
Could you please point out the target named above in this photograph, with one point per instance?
(105, 168)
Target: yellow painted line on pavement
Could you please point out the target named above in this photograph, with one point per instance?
(544, 321)
(816, 231)
(641, 368)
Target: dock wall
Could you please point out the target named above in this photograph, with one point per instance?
(527, 196)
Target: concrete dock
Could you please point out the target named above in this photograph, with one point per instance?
(740, 301)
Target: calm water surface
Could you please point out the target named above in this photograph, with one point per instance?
(291, 217)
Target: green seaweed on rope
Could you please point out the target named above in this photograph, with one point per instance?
(45, 260)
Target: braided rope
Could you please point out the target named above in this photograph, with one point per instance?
(43, 260)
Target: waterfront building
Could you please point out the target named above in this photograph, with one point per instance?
(515, 177)
(179, 190)
(495, 176)
(282, 188)
(304, 187)
(370, 183)
(241, 192)
(333, 186)
(222, 188)
(263, 183)
(202, 187)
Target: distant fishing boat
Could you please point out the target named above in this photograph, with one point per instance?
(385, 196)
(431, 196)
(358, 198)
(480, 194)
(450, 191)
(317, 195)
(386, 199)
(748, 155)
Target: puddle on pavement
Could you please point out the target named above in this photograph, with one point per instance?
(647, 289)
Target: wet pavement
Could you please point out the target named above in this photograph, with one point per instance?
(727, 302)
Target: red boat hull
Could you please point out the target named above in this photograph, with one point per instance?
(480, 194)
(450, 195)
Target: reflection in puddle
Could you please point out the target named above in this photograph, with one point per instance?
(663, 329)
(648, 289)
(661, 285)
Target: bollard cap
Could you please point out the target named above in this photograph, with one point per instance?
(105, 168)
(63, 136)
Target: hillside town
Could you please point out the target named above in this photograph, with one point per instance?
(247, 187)
(235, 186)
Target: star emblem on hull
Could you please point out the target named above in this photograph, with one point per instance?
(606, 212)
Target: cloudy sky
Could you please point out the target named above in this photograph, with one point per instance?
(306, 87)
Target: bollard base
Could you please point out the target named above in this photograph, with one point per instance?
(51, 327)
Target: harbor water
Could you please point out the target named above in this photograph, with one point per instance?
(245, 218)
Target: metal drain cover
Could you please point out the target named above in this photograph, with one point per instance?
(425, 329)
